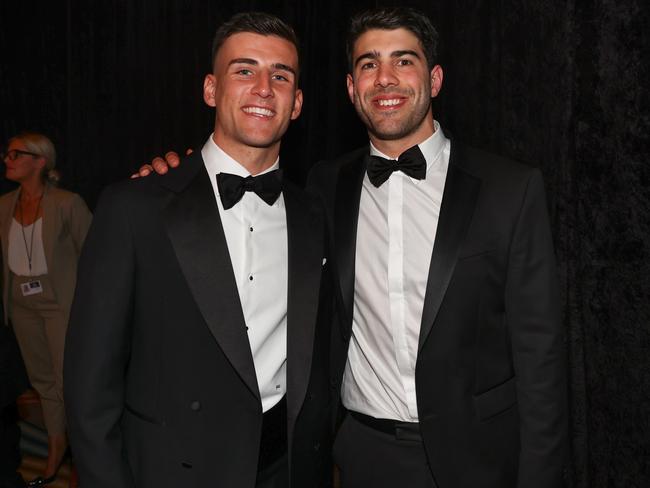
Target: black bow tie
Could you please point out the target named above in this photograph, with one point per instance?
(411, 162)
(267, 186)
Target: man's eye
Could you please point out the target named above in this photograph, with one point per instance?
(280, 78)
(404, 62)
(368, 65)
(244, 71)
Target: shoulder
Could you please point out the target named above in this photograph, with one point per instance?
(7, 198)
(62, 197)
(333, 166)
(490, 167)
(324, 176)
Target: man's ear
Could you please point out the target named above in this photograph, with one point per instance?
(209, 90)
(436, 80)
(297, 105)
(350, 83)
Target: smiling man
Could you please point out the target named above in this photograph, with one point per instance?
(197, 351)
(450, 354)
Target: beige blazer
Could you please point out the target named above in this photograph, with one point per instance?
(66, 219)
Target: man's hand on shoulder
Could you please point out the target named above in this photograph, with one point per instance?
(160, 164)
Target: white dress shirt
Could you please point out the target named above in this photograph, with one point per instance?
(395, 235)
(22, 244)
(256, 234)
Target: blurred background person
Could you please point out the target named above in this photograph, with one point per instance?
(42, 229)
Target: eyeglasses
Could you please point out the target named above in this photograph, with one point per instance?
(15, 153)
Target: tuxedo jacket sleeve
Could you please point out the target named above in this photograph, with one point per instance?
(98, 346)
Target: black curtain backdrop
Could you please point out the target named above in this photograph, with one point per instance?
(560, 85)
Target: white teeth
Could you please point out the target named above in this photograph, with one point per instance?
(389, 103)
(258, 111)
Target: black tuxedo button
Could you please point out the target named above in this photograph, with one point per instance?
(187, 465)
(196, 406)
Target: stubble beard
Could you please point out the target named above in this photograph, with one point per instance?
(382, 127)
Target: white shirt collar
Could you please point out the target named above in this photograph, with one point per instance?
(217, 161)
(431, 147)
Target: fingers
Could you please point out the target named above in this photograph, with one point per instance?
(160, 166)
(189, 151)
(172, 159)
(145, 170)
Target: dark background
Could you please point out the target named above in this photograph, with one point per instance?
(562, 85)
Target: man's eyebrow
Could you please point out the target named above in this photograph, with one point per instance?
(367, 55)
(394, 54)
(243, 61)
(284, 67)
(280, 66)
(404, 52)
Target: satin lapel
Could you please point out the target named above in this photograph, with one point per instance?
(192, 221)
(458, 202)
(49, 227)
(348, 195)
(305, 253)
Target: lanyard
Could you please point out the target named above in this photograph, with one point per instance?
(29, 250)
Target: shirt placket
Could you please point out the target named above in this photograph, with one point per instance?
(396, 293)
(247, 264)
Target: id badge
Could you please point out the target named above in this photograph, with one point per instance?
(33, 287)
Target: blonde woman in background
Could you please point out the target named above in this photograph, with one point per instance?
(42, 231)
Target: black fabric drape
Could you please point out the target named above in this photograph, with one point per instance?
(561, 85)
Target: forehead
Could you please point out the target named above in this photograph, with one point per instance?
(16, 144)
(248, 45)
(385, 41)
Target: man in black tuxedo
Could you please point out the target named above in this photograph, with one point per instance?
(197, 351)
(450, 350)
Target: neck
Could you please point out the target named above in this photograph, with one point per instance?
(394, 147)
(254, 159)
(31, 190)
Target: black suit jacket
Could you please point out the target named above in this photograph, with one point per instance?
(490, 371)
(160, 385)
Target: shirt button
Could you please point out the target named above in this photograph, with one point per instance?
(196, 406)
(251, 229)
(250, 278)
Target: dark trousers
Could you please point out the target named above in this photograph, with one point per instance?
(274, 476)
(369, 458)
(273, 465)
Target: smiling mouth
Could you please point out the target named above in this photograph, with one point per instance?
(259, 111)
(389, 103)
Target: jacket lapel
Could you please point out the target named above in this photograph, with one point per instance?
(458, 202)
(348, 196)
(49, 226)
(305, 253)
(194, 227)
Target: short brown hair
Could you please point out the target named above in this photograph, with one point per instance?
(257, 23)
(392, 18)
